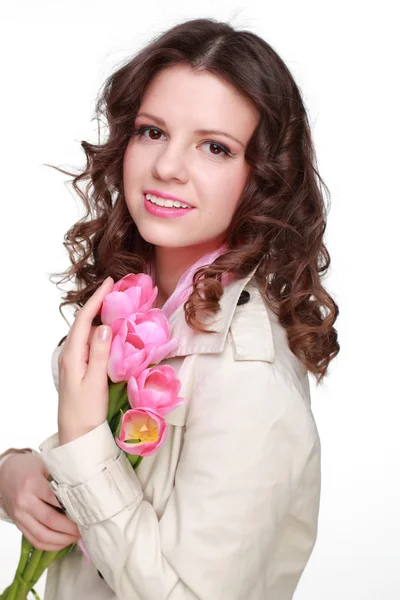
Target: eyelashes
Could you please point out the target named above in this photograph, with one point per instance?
(225, 150)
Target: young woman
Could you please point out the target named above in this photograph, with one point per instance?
(207, 177)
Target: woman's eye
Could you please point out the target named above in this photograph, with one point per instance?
(222, 149)
(216, 148)
(140, 130)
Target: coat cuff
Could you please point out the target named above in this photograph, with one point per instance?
(93, 479)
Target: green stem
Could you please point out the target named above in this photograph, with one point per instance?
(123, 406)
(47, 559)
(26, 578)
(11, 593)
(4, 594)
(26, 549)
(134, 459)
(116, 396)
(31, 567)
(38, 562)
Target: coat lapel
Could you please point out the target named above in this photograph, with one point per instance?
(196, 342)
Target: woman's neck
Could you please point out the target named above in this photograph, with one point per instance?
(171, 263)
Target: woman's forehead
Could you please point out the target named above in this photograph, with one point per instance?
(199, 99)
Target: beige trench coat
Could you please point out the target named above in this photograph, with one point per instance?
(227, 509)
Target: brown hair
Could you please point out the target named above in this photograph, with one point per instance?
(281, 216)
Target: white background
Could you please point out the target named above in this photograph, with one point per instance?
(54, 58)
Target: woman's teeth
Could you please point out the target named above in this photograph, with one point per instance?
(168, 203)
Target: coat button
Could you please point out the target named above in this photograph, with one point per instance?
(244, 298)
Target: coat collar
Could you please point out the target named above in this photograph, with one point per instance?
(196, 342)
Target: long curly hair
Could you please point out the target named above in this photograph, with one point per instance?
(281, 216)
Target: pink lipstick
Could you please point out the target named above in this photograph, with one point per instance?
(164, 211)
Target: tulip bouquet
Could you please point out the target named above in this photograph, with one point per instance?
(140, 395)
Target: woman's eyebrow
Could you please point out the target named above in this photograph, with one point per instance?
(198, 131)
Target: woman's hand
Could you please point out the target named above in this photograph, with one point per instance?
(31, 504)
(83, 382)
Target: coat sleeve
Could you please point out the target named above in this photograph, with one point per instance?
(242, 459)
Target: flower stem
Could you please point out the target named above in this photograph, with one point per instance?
(134, 459)
(25, 578)
(47, 559)
(11, 593)
(38, 562)
(31, 567)
(116, 395)
(4, 594)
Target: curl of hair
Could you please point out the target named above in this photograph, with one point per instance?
(280, 218)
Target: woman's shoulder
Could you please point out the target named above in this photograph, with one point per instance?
(256, 334)
(256, 370)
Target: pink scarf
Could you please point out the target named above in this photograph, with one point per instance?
(185, 284)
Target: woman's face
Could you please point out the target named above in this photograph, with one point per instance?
(171, 156)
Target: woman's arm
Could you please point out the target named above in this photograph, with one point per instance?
(249, 436)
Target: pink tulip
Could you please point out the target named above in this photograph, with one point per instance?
(129, 355)
(131, 294)
(146, 427)
(156, 388)
(153, 328)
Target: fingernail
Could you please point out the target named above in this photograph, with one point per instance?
(104, 333)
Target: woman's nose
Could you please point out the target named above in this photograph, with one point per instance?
(171, 164)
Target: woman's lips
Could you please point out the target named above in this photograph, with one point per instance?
(163, 211)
